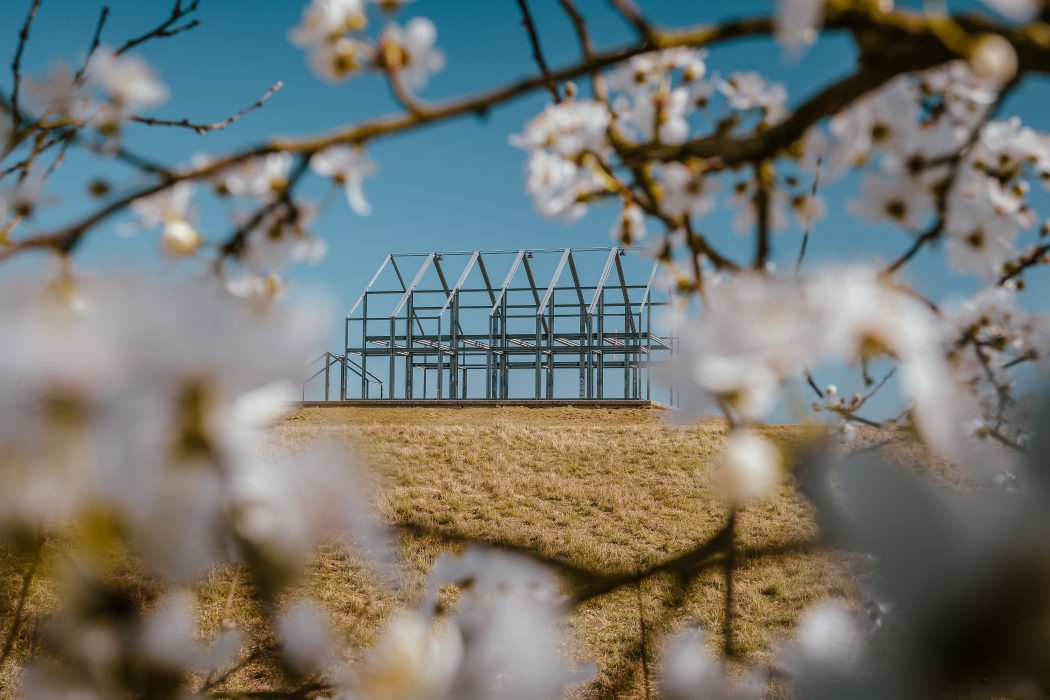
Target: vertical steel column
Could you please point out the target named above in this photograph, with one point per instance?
(583, 359)
(504, 388)
(628, 338)
(440, 363)
(364, 347)
(327, 377)
(539, 356)
(453, 335)
(601, 345)
(342, 366)
(488, 360)
(393, 355)
(409, 366)
(648, 350)
(550, 356)
(590, 356)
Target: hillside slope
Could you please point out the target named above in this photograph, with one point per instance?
(610, 490)
(607, 489)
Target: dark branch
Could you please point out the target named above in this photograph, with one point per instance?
(16, 64)
(95, 41)
(537, 52)
(203, 128)
(166, 28)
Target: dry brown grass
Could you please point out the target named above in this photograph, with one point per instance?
(606, 489)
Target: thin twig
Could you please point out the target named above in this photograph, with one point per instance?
(809, 221)
(537, 51)
(875, 389)
(1004, 440)
(95, 41)
(203, 128)
(16, 64)
(579, 25)
(165, 29)
(763, 212)
(630, 12)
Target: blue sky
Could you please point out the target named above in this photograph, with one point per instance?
(456, 185)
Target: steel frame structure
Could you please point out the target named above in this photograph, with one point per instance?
(396, 335)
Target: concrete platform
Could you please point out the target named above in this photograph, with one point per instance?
(487, 403)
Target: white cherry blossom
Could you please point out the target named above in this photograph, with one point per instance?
(168, 205)
(127, 80)
(897, 200)
(325, 21)
(749, 90)
(410, 51)
(797, 22)
(686, 191)
(749, 468)
(348, 166)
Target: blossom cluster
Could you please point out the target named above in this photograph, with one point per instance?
(332, 32)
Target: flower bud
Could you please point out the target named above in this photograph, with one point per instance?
(180, 239)
(993, 58)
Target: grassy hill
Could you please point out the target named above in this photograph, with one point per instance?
(607, 489)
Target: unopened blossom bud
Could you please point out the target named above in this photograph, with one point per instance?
(993, 58)
(831, 390)
(180, 239)
(750, 467)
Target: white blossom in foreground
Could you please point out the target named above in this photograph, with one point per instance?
(749, 91)
(347, 166)
(410, 52)
(324, 32)
(797, 22)
(411, 660)
(58, 95)
(629, 228)
(689, 671)
(260, 177)
(180, 239)
(168, 205)
(685, 190)
(511, 618)
(896, 200)
(757, 331)
(828, 639)
(306, 638)
(127, 80)
(337, 60)
(325, 21)
(749, 468)
(150, 426)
